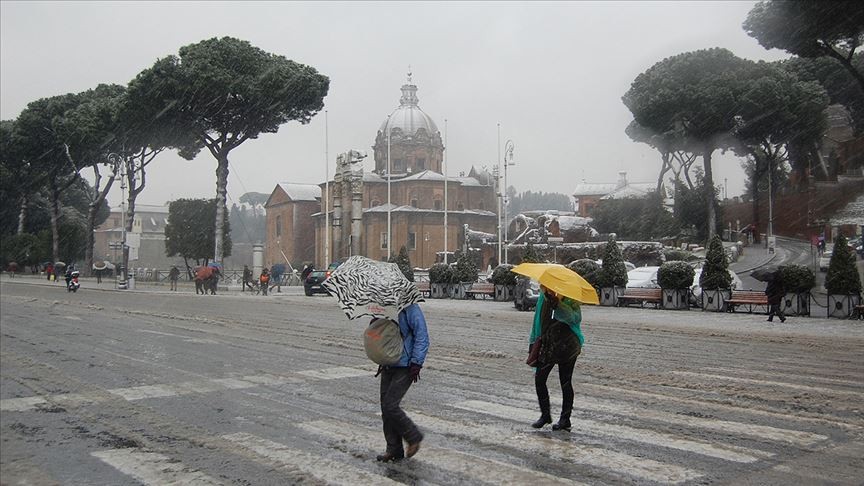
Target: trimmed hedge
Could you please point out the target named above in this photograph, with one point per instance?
(842, 277)
(465, 269)
(613, 273)
(715, 271)
(676, 255)
(675, 275)
(797, 279)
(440, 273)
(587, 269)
(503, 276)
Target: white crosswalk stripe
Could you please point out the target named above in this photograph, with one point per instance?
(795, 437)
(615, 462)
(781, 384)
(330, 471)
(155, 469)
(481, 469)
(623, 432)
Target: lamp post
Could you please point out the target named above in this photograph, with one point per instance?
(123, 251)
(500, 199)
(326, 193)
(388, 188)
(508, 160)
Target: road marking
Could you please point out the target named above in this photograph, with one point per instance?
(794, 386)
(152, 468)
(333, 472)
(836, 381)
(619, 463)
(727, 427)
(334, 373)
(623, 432)
(184, 388)
(482, 469)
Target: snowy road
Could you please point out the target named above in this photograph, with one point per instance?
(106, 388)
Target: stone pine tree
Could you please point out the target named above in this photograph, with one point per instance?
(404, 263)
(226, 91)
(842, 277)
(715, 271)
(613, 272)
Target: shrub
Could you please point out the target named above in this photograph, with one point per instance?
(531, 255)
(715, 272)
(797, 278)
(404, 263)
(503, 276)
(676, 255)
(613, 273)
(440, 273)
(842, 277)
(587, 268)
(675, 275)
(465, 269)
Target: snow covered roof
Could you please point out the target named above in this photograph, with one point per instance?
(411, 209)
(426, 175)
(594, 188)
(301, 192)
(852, 213)
(636, 189)
(567, 223)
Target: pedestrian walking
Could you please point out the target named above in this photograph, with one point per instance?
(395, 381)
(775, 292)
(264, 280)
(247, 279)
(49, 271)
(306, 271)
(173, 276)
(557, 326)
(276, 272)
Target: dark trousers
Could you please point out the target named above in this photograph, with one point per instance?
(397, 426)
(775, 310)
(565, 375)
(173, 284)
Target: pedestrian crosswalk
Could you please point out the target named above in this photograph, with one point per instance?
(480, 441)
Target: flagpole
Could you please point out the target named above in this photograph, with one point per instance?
(445, 191)
(500, 237)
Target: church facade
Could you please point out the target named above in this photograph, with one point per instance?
(352, 219)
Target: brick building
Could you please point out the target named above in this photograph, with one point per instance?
(358, 206)
(290, 227)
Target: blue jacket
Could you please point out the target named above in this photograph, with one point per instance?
(415, 338)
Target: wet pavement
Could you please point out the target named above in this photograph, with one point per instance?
(109, 387)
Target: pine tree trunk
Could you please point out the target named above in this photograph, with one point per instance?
(91, 239)
(709, 190)
(22, 214)
(55, 217)
(221, 200)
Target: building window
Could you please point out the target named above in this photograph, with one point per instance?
(376, 203)
(481, 205)
(383, 241)
(414, 203)
(438, 205)
(421, 164)
(398, 166)
(460, 206)
(412, 241)
(278, 226)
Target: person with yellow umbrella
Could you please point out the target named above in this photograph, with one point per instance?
(556, 336)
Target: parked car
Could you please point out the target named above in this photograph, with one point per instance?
(643, 277)
(525, 294)
(696, 289)
(312, 284)
(825, 259)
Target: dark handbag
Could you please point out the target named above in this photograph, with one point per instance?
(533, 353)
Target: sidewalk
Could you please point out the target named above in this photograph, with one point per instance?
(109, 285)
(751, 258)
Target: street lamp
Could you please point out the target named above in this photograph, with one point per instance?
(326, 193)
(445, 192)
(389, 131)
(508, 160)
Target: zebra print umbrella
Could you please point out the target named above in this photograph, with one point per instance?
(367, 287)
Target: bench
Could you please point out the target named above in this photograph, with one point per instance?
(481, 289)
(642, 296)
(749, 298)
(424, 288)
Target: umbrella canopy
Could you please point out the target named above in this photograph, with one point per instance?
(278, 268)
(99, 265)
(561, 280)
(367, 287)
(567, 283)
(766, 273)
(59, 264)
(534, 270)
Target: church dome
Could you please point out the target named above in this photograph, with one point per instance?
(408, 117)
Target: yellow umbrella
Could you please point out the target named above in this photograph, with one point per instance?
(561, 280)
(534, 270)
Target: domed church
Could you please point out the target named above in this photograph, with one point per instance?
(409, 149)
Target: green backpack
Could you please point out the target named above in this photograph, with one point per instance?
(383, 341)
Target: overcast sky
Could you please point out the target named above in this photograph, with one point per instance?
(552, 74)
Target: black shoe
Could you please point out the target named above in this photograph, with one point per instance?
(543, 420)
(770, 319)
(388, 457)
(782, 319)
(563, 424)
